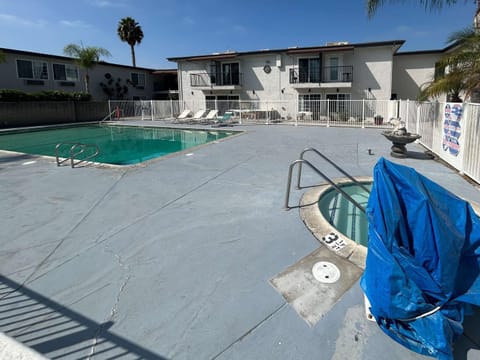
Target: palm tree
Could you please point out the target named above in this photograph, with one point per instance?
(462, 65)
(451, 84)
(130, 32)
(85, 57)
(373, 5)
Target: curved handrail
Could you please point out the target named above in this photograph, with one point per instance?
(83, 147)
(330, 181)
(331, 163)
(73, 154)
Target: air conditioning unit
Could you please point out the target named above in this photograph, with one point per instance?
(336, 43)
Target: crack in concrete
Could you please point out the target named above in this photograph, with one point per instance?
(100, 240)
(109, 320)
(250, 331)
(97, 203)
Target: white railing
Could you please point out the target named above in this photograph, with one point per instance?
(356, 113)
(451, 131)
(426, 119)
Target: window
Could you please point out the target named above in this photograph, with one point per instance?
(309, 70)
(340, 103)
(65, 72)
(231, 74)
(138, 80)
(28, 69)
(309, 102)
(333, 73)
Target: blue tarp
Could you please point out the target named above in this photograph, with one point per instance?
(423, 260)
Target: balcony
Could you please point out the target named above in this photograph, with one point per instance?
(327, 77)
(220, 81)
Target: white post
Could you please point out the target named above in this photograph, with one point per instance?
(406, 115)
(363, 113)
(417, 129)
(151, 109)
(328, 112)
(171, 108)
(109, 111)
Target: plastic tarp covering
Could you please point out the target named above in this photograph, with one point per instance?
(423, 262)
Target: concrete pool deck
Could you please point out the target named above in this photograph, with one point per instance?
(172, 260)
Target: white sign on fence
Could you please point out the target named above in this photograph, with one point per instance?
(451, 134)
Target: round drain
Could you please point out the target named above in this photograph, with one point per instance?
(326, 272)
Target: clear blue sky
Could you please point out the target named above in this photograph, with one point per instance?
(180, 28)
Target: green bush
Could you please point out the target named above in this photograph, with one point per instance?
(49, 95)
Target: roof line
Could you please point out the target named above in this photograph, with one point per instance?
(398, 43)
(66, 58)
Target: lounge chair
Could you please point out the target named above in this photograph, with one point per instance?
(198, 116)
(184, 114)
(211, 116)
(224, 120)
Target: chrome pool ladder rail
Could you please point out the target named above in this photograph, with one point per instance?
(331, 163)
(109, 116)
(325, 177)
(75, 150)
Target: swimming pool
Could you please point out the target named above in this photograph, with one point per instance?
(118, 145)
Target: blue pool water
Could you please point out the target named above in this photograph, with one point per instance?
(345, 216)
(119, 145)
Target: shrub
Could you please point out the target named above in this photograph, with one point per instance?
(10, 95)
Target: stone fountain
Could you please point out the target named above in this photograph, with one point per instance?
(400, 137)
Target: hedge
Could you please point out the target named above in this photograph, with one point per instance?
(50, 95)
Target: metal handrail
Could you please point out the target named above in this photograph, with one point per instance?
(73, 154)
(340, 190)
(109, 116)
(331, 163)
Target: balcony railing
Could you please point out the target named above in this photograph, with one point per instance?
(327, 74)
(217, 79)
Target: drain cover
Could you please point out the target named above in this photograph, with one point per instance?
(326, 272)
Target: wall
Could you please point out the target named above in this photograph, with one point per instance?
(9, 77)
(14, 114)
(411, 71)
(372, 69)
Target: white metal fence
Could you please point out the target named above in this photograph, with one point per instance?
(359, 113)
(450, 130)
(427, 119)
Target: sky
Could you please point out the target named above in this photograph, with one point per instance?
(175, 28)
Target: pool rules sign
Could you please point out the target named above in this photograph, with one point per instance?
(451, 133)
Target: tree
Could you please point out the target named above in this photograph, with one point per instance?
(130, 32)
(460, 73)
(3, 57)
(373, 5)
(86, 58)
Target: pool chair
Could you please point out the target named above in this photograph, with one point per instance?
(184, 114)
(198, 116)
(211, 116)
(224, 120)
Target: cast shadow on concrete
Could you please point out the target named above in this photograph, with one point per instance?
(58, 332)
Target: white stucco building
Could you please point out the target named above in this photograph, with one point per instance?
(301, 75)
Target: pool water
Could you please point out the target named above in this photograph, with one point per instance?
(343, 215)
(119, 145)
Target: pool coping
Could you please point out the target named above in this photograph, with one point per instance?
(116, 166)
(327, 234)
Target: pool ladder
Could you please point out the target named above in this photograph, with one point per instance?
(302, 161)
(76, 149)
